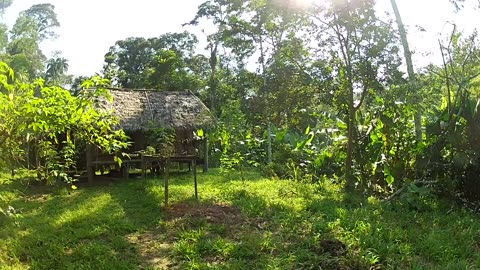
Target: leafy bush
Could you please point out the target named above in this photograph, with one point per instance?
(54, 122)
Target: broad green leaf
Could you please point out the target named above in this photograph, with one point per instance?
(118, 160)
(390, 179)
(444, 103)
(307, 131)
(388, 175)
(374, 137)
(341, 124)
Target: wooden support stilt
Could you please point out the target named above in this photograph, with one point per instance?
(167, 171)
(144, 168)
(125, 168)
(194, 164)
(205, 153)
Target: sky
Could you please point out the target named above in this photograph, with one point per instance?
(89, 27)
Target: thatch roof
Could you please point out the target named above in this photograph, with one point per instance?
(137, 109)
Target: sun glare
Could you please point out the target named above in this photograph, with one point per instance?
(304, 3)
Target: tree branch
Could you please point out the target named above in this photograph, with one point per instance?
(402, 189)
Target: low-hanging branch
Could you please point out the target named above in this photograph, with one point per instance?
(403, 188)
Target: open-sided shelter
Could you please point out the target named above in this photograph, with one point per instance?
(139, 109)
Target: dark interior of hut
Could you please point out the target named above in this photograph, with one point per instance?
(148, 152)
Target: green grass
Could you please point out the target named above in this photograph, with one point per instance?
(253, 224)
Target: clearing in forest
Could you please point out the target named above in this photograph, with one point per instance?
(253, 224)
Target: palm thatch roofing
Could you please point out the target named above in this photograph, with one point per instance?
(138, 109)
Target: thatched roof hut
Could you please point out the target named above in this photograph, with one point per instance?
(138, 109)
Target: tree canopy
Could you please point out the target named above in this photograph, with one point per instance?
(167, 62)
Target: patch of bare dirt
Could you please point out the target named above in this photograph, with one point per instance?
(153, 248)
(37, 198)
(333, 247)
(212, 213)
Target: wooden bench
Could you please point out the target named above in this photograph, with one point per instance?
(124, 168)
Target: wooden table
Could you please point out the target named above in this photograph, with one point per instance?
(166, 161)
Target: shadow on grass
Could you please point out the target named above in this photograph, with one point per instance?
(86, 229)
(249, 232)
(122, 225)
(238, 225)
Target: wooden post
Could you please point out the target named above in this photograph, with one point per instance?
(125, 168)
(205, 153)
(90, 170)
(144, 168)
(167, 169)
(28, 154)
(194, 164)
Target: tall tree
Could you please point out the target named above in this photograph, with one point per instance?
(249, 29)
(288, 76)
(56, 73)
(32, 26)
(4, 4)
(127, 60)
(220, 13)
(411, 72)
(162, 62)
(270, 24)
(3, 37)
(362, 51)
(45, 18)
(23, 51)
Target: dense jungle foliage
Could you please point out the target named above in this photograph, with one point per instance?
(331, 148)
(327, 97)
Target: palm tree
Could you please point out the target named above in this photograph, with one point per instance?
(57, 67)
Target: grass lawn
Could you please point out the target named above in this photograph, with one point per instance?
(253, 224)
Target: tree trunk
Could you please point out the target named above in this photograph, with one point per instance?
(410, 70)
(351, 140)
(213, 81)
(269, 141)
(265, 91)
(447, 79)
